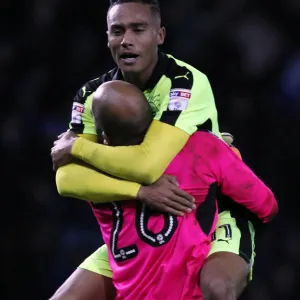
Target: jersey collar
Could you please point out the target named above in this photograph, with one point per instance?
(158, 72)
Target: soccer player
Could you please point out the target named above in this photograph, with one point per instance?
(156, 256)
(182, 103)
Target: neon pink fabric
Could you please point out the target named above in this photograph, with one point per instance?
(165, 263)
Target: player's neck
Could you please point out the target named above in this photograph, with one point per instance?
(140, 79)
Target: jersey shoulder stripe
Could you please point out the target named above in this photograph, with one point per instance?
(91, 86)
(81, 119)
(191, 105)
(182, 81)
(180, 75)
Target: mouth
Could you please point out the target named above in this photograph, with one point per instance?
(129, 58)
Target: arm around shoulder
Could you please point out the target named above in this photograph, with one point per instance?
(144, 163)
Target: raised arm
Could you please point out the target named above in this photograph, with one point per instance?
(80, 181)
(187, 102)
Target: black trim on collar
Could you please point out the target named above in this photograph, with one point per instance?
(159, 70)
(118, 75)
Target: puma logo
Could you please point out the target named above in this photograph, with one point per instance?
(183, 76)
(221, 240)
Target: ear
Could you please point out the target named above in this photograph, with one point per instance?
(107, 39)
(161, 35)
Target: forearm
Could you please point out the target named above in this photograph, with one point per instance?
(82, 182)
(144, 163)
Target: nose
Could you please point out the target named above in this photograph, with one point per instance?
(128, 39)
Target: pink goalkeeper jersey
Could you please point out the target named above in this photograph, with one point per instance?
(159, 256)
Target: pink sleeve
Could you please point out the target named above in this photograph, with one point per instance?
(236, 180)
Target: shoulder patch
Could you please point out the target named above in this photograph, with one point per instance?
(77, 111)
(179, 99)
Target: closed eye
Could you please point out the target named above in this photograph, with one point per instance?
(116, 32)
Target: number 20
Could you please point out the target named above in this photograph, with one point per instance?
(142, 217)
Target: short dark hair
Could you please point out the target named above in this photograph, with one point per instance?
(124, 132)
(154, 4)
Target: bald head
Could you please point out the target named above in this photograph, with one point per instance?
(121, 111)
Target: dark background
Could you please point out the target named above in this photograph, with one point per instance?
(249, 51)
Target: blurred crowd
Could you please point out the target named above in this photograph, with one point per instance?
(250, 51)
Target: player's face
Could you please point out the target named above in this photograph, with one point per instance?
(133, 36)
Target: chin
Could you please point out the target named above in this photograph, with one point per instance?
(130, 68)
